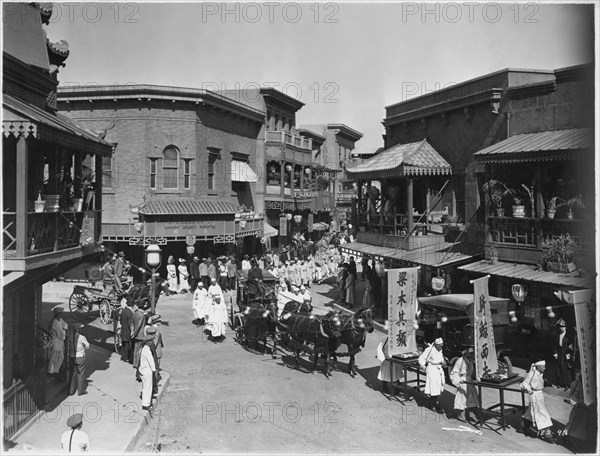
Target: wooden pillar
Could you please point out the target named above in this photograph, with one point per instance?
(98, 200)
(359, 208)
(21, 200)
(409, 204)
(302, 179)
(282, 178)
(538, 197)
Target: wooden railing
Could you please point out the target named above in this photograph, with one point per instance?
(285, 137)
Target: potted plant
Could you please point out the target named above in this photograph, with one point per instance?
(493, 252)
(517, 197)
(558, 254)
(496, 190)
(84, 184)
(575, 206)
(40, 204)
(551, 206)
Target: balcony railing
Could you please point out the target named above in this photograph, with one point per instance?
(47, 232)
(284, 137)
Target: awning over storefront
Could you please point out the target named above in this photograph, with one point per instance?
(320, 226)
(187, 206)
(543, 146)
(413, 159)
(241, 172)
(269, 231)
(20, 118)
(528, 272)
(437, 256)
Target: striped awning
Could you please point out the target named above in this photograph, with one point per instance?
(188, 206)
(270, 231)
(413, 159)
(543, 146)
(241, 172)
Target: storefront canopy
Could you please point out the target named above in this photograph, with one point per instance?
(413, 159)
(528, 272)
(543, 146)
(188, 206)
(241, 172)
(269, 231)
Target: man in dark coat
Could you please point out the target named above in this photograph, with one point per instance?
(352, 267)
(194, 273)
(365, 264)
(564, 353)
(126, 320)
(139, 321)
(255, 276)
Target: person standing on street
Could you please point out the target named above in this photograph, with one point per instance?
(80, 344)
(203, 268)
(58, 333)
(231, 272)
(126, 320)
(75, 440)
(349, 287)
(213, 272)
(194, 274)
(200, 304)
(466, 394)
(146, 369)
(172, 275)
(246, 263)
(537, 414)
(433, 361)
(564, 353)
(109, 279)
(184, 274)
(223, 275)
(139, 322)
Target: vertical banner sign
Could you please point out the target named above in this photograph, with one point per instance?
(402, 309)
(283, 226)
(486, 362)
(310, 223)
(586, 339)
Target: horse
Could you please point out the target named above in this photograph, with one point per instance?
(140, 294)
(306, 330)
(260, 321)
(297, 307)
(352, 334)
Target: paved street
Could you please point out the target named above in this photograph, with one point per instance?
(225, 399)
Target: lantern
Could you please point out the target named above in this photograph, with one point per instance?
(288, 216)
(297, 218)
(512, 315)
(288, 168)
(519, 293)
(551, 313)
(153, 256)
(307, 171)
(437, 283)
(242, 224)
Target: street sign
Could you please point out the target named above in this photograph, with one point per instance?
(190, 240)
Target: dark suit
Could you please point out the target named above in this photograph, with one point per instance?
(565, 352)
(126, 321)
(139, 321)
(254, 275)
(194, 275)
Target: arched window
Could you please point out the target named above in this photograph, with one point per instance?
(170, 167)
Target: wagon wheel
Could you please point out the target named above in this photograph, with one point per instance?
(240, 330)
(79, 304)
(105, 310)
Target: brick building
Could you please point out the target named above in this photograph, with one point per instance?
(183, 169)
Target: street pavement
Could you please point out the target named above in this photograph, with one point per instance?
(224, 398)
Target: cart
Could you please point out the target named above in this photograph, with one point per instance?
(83, 299)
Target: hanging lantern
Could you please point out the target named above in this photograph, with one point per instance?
(288, 216)
(437, 283)
(242, 224)
(551, 313)
(297, 218)
(307, 171)
(513, 316)
(519, 293)
(288, 168)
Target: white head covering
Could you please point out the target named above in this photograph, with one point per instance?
(438, 341)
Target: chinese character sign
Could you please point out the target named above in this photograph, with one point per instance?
(283, 226)
(486, 362)
(585, 319)
(402, 307)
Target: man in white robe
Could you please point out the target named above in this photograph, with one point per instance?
(384, 370)
(537, 413)
(433, 361)
(217, 315)
(147, 368)
(201, 304)
(466, 394)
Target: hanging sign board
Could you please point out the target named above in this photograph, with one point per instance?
(486, 361)
(585, 318)
(402, 308)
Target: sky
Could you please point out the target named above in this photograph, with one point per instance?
(345, 61)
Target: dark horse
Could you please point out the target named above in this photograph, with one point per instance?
(312, 334)
(140, 294)
(260, 321)
(353, 334)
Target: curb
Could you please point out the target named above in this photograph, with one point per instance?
(135, 437)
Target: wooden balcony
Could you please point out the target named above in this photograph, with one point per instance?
(519, 239)
(289, 139)
(49, 237)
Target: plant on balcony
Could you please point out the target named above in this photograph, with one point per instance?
(551, 206)
(493, 251)
(558, 254)
(575, 206)
(496, 191)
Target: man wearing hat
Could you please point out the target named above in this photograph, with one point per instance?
(537, 414)
(466, 394)
(255, 276)
(194, 274)
(75, 440)
(146, 369)
(246, 263)
(564, 353)
(433, 361)
(203, 268)
(126, 320)
(217, 314)
(80, 345)
(58, 333)
(231, 272)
